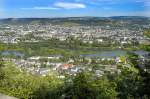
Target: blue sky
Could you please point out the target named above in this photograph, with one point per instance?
(73, 8)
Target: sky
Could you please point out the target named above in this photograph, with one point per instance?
(73, 8)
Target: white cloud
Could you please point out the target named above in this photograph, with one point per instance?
(59, 5)
(41, 8)
(68, 5)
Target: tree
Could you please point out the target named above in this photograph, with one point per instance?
(86, 86)
(128, 83)
(2, 74)
(26, 86)
(134, 82)
(147, 33)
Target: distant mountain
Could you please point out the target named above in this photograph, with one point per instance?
(78, 20)
(129, 17)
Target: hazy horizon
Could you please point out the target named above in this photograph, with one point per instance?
(72, 17)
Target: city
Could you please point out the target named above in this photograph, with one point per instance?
(73, 55)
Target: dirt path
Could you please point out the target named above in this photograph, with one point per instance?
(2, 96)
